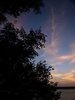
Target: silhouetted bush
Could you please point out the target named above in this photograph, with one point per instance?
(16, 7)
(20, 77)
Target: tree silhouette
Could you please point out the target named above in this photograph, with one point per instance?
(72, 1)
(20, 77)
(16, 7)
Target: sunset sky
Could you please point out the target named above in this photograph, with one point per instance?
(57, 21)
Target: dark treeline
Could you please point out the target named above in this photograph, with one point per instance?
(66, 87)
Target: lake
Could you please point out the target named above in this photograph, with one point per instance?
(67, 94)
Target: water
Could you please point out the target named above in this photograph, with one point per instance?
(67, 94)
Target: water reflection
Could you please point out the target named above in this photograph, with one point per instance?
(68, 94)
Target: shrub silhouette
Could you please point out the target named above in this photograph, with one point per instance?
(20, 77)
(16, 7)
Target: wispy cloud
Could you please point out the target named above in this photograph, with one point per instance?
(66, 78)
(68, 57)
(54, 57)
(52, 47)
(58, 59)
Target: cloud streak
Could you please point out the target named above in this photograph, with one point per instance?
(54, 57)
(66, 78)
(52, 47)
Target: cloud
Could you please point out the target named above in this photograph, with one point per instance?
(56, 26)
(58, 59)
(68, 57)
(65, 57)
(73, 60)
(69, 77)
(72, 54)
(52, 47)
(64, 78)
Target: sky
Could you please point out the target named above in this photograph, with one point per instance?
(57, 21)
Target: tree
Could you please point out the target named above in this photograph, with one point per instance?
(20, 77)
(16, 7)
(72, 1)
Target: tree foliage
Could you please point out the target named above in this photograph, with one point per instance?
(16, 7)
(20, 77)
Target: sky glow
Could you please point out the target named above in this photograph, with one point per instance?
(57, 21)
